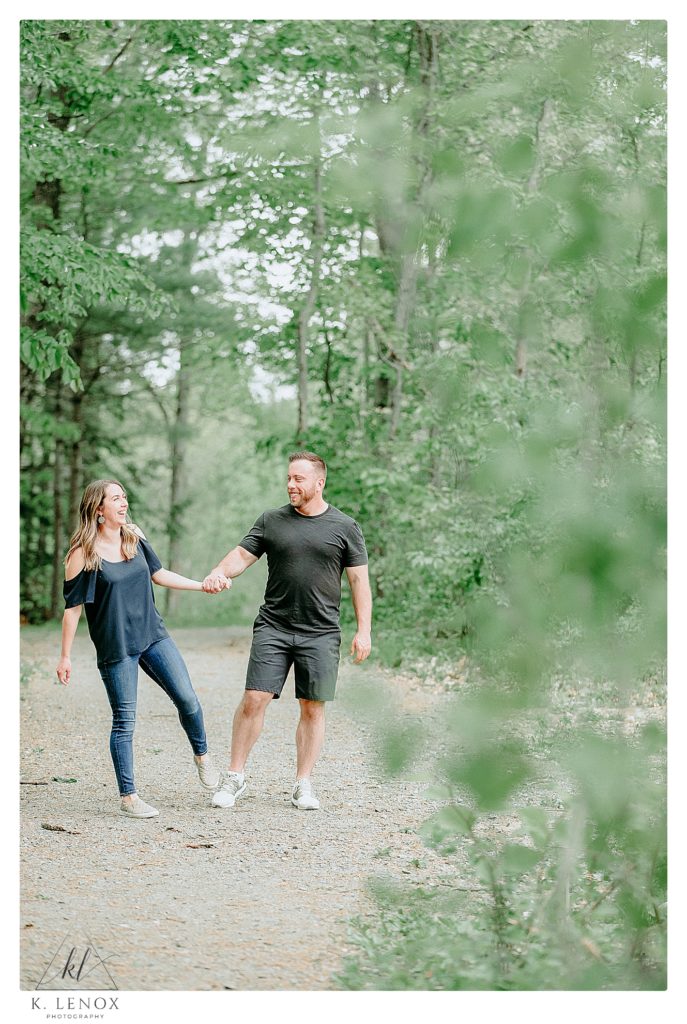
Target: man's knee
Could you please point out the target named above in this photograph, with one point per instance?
(254, 702)
(311, 710)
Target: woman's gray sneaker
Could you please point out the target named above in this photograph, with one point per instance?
(233, 786)
(137, 808)
(209, 777)
(303, 796)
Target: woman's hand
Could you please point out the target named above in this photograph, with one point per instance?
(215, 583)
(64, 670)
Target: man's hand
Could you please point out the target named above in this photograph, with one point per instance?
(64, 670)
(215, 582)
(361, 647)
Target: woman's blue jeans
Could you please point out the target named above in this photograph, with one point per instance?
(165, 666)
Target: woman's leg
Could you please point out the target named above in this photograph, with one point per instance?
(121, 678)
(165, 665)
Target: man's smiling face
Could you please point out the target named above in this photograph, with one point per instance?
(303, 483)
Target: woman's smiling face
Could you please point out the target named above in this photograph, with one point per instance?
(115, 505)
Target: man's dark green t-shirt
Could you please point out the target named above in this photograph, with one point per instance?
(306, 556)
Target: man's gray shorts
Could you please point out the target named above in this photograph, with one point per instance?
(315, 661)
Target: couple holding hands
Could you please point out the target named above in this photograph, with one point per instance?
(110, 569)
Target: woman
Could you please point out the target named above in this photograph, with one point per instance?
(109, 568)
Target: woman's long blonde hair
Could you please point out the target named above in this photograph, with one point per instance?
(85, 535)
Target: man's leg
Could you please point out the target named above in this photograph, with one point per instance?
(268, 666)
(309, 736)
(249, 718)
(316, 663)
(248, 721)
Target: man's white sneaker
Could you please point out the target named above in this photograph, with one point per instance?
(209, 777)
(303, 796)
(137, 808)
(233, 786)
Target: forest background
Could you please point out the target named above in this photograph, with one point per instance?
(434, 253)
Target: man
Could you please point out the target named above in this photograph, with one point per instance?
(308, 545)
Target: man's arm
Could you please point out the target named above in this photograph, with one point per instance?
(233, 564)
(362, 603)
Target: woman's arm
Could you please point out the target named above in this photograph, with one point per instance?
(166, 578)
(70, 620)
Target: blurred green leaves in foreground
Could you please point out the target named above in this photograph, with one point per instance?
(551, 793)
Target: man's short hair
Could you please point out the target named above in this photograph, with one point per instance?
(319, 463)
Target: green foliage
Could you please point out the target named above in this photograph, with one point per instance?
(399, 743)
(45, 354)
(574, 899)
(580, 901)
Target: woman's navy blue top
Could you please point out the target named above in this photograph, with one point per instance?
(120, 607)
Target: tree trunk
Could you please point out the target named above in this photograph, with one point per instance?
(27, 391)
(41, 535)
(532, 184)
(404, 305)
(49, 193)
(58, 518)
(75, 468)
(326, 376)
(633, 367)
(426, 41)
(434, 431)
(75, 448)
(178, 496)
(309, 306)
(365, 389)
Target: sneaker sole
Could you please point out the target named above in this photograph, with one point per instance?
(128, 814)
(312, 807)
(238, 793)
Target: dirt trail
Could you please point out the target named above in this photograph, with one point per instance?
(256, 897)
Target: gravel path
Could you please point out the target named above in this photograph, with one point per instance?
(254, 897)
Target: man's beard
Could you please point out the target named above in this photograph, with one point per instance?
(303, 498)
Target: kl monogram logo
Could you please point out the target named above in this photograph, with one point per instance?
(77, 966)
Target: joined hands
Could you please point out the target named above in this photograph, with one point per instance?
(216, 582)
